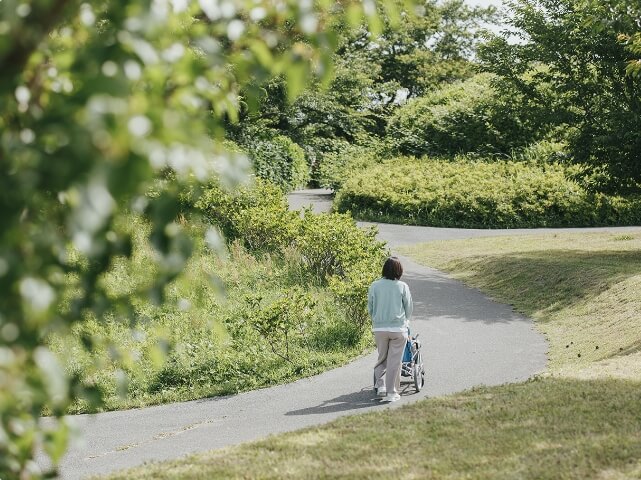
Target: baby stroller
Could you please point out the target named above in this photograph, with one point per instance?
(412, 363)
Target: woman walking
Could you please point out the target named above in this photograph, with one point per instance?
(389, 303)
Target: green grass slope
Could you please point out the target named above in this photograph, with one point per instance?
(583, 290)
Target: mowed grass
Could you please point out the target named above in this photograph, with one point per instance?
(545, 429)
(581, 421)
(582, 289)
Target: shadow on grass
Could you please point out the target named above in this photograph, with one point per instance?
(550, 280)
(633, 347)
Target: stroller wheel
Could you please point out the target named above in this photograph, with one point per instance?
(418, 372)
(419, 378)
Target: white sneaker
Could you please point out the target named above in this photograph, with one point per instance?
(381, 392)
(391, 397)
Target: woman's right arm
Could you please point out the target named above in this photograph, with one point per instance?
(407, 302)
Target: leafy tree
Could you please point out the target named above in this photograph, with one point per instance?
(98, 102)
(624, 16)
(372, 74)
(321, 120)
(426, 50)
(575, 46)
(470, 116)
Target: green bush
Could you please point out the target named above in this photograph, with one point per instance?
(256, 215)
(337, 166)
(230, 325)
(331, 245)
(345, 257)
(279, 160)
(329, 249)
(468, 116)
(481, 194)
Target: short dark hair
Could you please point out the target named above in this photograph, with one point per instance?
(392, 269)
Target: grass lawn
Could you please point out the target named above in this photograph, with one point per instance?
(583, 290)
(582, 420)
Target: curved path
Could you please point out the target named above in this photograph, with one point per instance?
(468, 340)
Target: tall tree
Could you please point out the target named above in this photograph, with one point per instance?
(575, 47)
(416, 52)
(426, 50)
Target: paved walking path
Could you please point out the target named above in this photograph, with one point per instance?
(468, 340)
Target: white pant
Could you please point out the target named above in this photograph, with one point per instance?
(390, 355)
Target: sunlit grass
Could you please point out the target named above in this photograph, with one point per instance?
(582, 289)
(544, 429)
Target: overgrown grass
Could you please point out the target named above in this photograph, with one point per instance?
(584, 291)
(203, 340)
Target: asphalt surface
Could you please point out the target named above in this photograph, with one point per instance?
(468, 340)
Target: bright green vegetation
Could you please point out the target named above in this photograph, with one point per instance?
(276, 158)
(543, 429)
(98, 101)
(465, 116)
(581, 421)
(469, 193)
(417, 55)
(216, 347)
(582, 289)
(269, 310)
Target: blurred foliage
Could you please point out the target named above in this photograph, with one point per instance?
(585, 47)
(98, 101)
(471, 193)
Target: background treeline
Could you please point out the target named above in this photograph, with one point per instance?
(559, 86)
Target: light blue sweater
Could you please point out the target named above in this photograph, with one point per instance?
(389, 303)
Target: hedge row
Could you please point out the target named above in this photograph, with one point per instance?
(480, 194)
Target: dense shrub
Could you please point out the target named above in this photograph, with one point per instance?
(467, 116)
(464, 193)
(274, 156)
(339, 165)
(256, 215)
(280, 161)
(330, 248)
(270, 314)
(347, 258)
